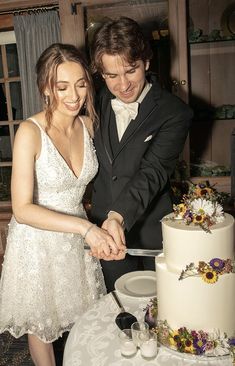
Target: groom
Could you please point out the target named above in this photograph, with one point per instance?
(142, 130)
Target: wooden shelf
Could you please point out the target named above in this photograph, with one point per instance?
(222, 184)
(216, 41)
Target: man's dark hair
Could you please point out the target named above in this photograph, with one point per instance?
(123, 37)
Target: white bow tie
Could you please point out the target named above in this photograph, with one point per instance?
(121, 108)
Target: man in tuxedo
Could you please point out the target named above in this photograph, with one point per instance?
(142, 130)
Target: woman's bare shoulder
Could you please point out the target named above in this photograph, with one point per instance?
(31, 125)
(28, 129)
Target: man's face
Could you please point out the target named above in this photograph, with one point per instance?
(125, 81)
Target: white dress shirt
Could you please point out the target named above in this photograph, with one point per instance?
(125, 112)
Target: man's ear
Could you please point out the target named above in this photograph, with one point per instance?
(147, 63)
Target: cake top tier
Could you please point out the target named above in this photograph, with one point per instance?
(201, 206)
(179, 223)
(184, 244)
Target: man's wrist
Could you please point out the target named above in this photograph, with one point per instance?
(113, 215)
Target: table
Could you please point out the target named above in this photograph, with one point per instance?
(93, 340)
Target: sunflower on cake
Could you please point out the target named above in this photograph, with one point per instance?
(196, 276)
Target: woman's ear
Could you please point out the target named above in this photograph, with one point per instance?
(46, 92)
(47, 100)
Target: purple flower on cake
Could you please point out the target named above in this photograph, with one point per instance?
(217, 264)
(199, 345)
(151, 312)
(231, 341)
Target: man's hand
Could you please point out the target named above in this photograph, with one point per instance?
(114, 226)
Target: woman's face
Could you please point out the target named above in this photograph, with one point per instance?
(70, 88)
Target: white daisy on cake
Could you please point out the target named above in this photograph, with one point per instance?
(201, 206)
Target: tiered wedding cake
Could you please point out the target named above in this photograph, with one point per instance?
(195, 275)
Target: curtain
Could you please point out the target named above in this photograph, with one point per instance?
(34, 33)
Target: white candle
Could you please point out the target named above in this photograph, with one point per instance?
(149, 348)
(128, 348)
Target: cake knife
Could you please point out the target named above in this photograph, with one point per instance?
(139, 252)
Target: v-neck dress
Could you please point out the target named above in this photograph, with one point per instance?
(48, 279)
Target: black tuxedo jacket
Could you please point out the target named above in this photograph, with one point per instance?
(134, 174)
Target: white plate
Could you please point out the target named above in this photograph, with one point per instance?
(137, 284)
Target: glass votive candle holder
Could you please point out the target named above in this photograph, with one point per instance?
(127, 346)
(148, 348)
(139, 332)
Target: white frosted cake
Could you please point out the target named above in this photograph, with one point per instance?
(196, 285)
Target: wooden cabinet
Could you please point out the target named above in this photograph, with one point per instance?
(212, 59)
(207, 83)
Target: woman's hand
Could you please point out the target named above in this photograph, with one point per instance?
(100, 242)
(115, 257)
(103, 245)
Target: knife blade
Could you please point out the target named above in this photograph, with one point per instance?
(139, 252)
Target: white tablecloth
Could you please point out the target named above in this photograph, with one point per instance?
(93, 340)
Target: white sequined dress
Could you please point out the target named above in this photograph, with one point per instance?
(48, 279)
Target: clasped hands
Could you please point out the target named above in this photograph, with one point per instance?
(108, 242)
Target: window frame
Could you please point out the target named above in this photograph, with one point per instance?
(5, 39)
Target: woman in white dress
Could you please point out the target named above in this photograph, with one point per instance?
(48, 279)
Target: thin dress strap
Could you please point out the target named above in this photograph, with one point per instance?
(36, 123)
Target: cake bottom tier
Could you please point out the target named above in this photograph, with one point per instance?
(195, 304)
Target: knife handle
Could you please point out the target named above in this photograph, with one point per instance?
(117, 300)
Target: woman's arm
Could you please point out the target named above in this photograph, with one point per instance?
(27, 146)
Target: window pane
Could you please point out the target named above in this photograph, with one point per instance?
(5, 144)
(16, 100)
(12, 60)
(3, 104)
(5, 183)
(1, 67)
(16, 128)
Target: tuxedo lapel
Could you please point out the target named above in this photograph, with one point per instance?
(105, 117)
(113, 135)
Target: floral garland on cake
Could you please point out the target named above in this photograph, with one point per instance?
(209, 272)
(195, 342)
(200, 206)
(184, 340)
